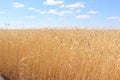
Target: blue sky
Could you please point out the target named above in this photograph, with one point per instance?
(60, 12)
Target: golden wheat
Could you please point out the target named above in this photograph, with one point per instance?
(60, 54)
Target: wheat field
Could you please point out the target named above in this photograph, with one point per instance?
(60, 54)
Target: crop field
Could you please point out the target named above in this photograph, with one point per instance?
(60, 54)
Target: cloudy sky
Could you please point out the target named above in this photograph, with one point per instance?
(60, 12)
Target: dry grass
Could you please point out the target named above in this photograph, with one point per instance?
(60, 54)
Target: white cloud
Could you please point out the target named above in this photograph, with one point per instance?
(76, 5)
(31, 17)
(83, 16)
(31, 9)
(18, 5)
(2, 12)
(92, 12)
(36, 10)
(41, 12)
(53, 2)
(59, 13)
(114, 17)
(64, 12)
(52, 11)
